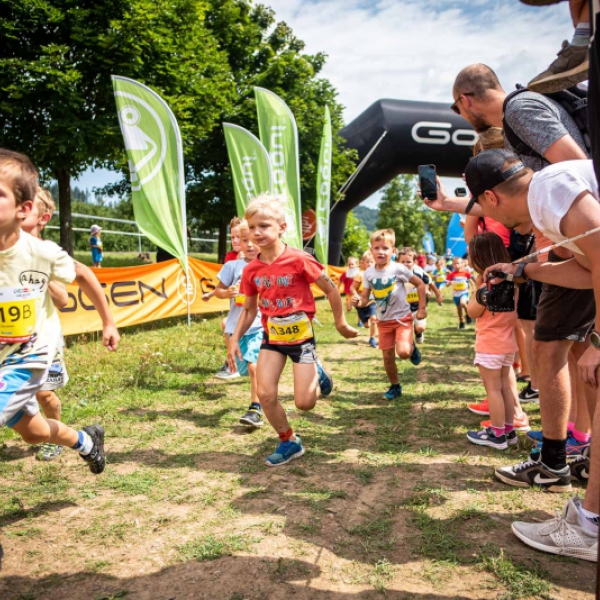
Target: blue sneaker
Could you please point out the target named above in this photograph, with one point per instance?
(574, 447)
(535, 435)
(325, 381)
(285, 452)
(415, 357)
(394, 392)
(487, 437)
(373, 342)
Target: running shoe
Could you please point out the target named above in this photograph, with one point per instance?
(96, 459)
(360, 324)
(580, 466)
(224, 368)
(528, 394)
(252, 416)
(561, 535)
(49, 452)
(479, 408)
(325, 381)
(536, 435)
(511, 438)
(568, 69)
(227, 375)
(487, 437)
(469, 320)
(534, 472)
(285, 452)
(521, 424)
(415, 357)
(394, 392)
(462, 325)
(373, 342)
(420, 338)
(574, 447)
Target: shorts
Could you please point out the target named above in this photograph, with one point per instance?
(494, 361)
(564, 314)
(249, 347)
(57, 375)
(18, 387)
(301, 354)
(440, 285)
(457, 299)
(420, 322)
(392, 332)
(366, 312)
(529, 298)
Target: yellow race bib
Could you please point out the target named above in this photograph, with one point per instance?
(412, 296)
(459, 286)
(440, 278)
(18, 314)
(291, 330)
(240, 299)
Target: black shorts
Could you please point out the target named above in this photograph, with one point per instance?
(564, 314)
(303, 354)
(366, 312)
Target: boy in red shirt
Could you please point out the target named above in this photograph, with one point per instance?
(279, 280)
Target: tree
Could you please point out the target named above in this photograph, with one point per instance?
(356, 237)
(56, 59)
(368, 216)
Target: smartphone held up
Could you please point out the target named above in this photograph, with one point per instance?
(427, 182)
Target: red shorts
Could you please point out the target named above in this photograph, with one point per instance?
(392, 332)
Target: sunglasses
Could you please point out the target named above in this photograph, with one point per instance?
(454, 106)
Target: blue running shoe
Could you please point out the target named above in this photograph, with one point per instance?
(325, 381)
(373, 342)
(285, 452)
(535, 435)
(394, 392)
(574, 447)
(415, 357)
(487, 437)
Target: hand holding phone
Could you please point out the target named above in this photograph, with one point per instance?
(427, 182)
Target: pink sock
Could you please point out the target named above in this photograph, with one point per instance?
(582, 438)
(498, 431)
(508, 427)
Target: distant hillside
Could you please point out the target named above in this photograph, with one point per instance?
(368, 216)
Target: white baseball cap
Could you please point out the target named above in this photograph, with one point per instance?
(95, 229)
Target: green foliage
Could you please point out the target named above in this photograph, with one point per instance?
(368, 217)
(402, 210)
(356, 237)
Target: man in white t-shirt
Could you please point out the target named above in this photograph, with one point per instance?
(561, 201)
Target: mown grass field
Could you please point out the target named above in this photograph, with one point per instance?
(130, 259)
(389, 501)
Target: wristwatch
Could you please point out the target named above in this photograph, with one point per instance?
(519, 273)
(595, 339)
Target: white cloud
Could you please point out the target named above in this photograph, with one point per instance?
(413, 49)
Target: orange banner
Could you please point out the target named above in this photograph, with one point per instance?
(149, 293)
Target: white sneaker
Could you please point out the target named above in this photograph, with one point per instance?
(227, 375)
(562, 535)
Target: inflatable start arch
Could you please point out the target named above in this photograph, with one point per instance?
(417, 133)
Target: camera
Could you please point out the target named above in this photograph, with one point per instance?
(499, 297)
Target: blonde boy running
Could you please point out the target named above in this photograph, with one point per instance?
(367, 314)
(279, 280)
(386, 280)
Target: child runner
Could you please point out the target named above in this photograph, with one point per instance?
(96, 245)
(346, 280)
(279, 279)
(386, 279)
(367, 315)
(430, 266)
(28, 337)
(460, 278)
(407, 258)
(42, 210)
(229, 287)
(495, 347)
(440, 275)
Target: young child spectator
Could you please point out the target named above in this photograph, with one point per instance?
(386, 281)
(346, 280)
(229, 287)
(430, 266)
(460, 278)
(495, 347)
(279, 280)
(96, 245)
(367, 315)
(234, 230)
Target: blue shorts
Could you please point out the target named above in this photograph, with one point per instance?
(366, 312)
(249, 347)
(97, 256)
(440, 285)
(457, 299)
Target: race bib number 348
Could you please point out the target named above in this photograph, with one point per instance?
(18, 314)
(294, 329)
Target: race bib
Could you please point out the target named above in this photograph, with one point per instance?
(459, 286)
(240, 299)
(440, 278)
(18, 314)
(412, 296)
(295, 329)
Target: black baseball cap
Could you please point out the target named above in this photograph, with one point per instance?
(484, 172)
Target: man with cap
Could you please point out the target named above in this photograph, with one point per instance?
(96, 245)
(561, 201)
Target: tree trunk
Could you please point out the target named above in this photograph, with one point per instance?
(222, 248)
(64, 207)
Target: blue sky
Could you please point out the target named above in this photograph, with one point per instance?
(412, 49)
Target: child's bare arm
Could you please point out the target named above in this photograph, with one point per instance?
(474, 309)
(224, 293)
(246, 319)
(58, 293)
(335, 300)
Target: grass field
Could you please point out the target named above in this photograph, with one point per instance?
(130, 259)
(389, 501)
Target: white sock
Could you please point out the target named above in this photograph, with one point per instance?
(85, 444)
(588, 520)
(581, 37)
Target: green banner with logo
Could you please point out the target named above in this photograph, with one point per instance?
(279, 135)
(324, 192)
(155, 157)
(250, 165)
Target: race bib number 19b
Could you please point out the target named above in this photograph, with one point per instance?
(18, 314)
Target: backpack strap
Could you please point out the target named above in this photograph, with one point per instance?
(519, 146)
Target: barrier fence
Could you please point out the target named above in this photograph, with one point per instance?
(151, 292)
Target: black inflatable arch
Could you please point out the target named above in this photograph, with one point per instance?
(417, 133)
